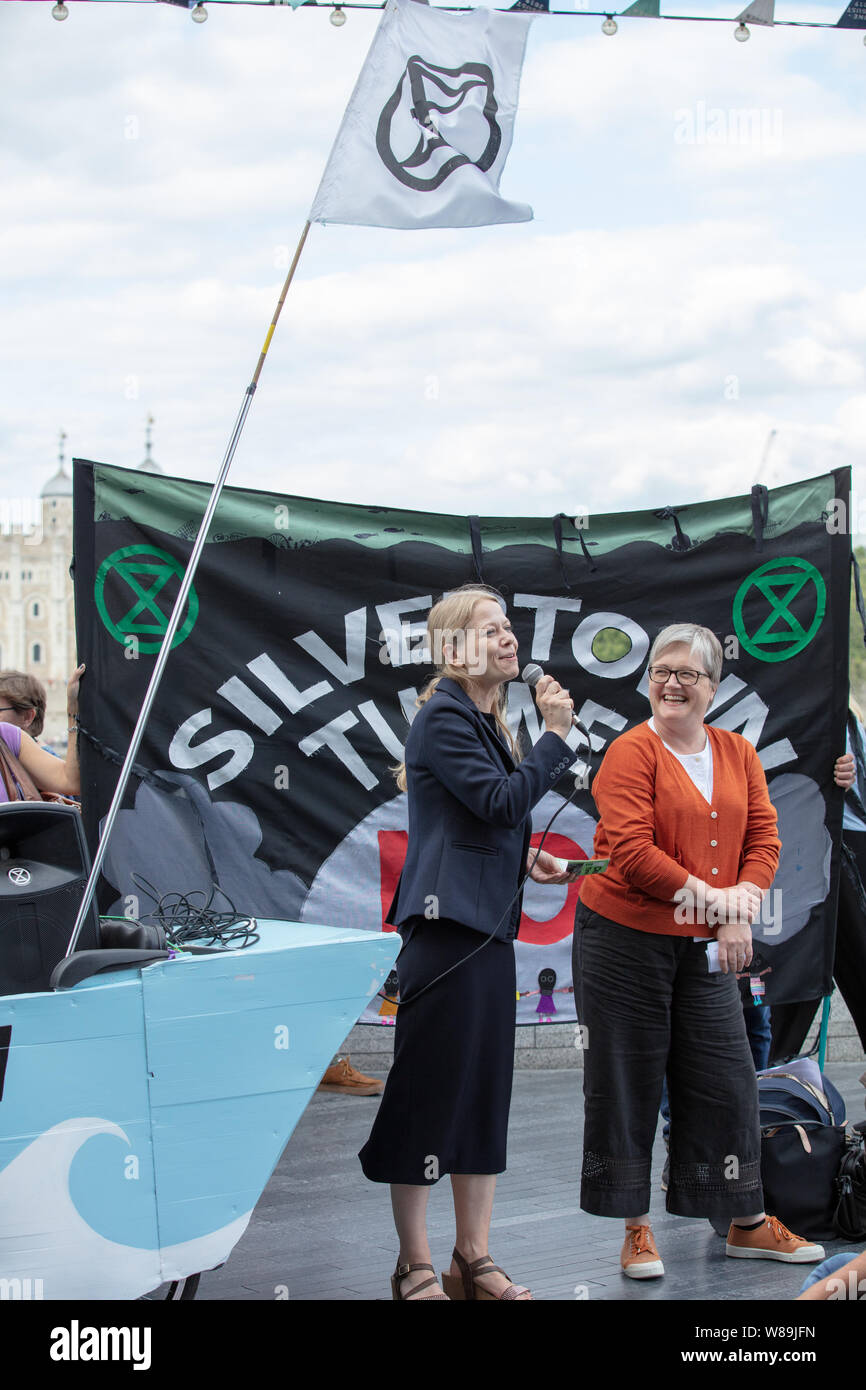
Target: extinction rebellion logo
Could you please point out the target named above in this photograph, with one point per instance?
(779, 607)
(135, 591)
(425, 88)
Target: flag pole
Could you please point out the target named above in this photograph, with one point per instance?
(174, 620)
(279, 309)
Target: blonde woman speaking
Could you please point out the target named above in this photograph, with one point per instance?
(457, 907)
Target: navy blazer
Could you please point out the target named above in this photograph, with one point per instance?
(469, 823)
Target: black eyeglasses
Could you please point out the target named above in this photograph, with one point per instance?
(660, 675)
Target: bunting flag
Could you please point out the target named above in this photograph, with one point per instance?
(265, 769)
(759, 12)
(854, 17)
(425, 136)
(649, 8)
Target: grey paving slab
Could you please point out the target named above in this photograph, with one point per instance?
(321, 1232)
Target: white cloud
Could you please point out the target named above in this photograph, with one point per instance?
(851, 419)
(812, 364)
(850, 311)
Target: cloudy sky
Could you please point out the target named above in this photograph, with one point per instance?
(694, 277)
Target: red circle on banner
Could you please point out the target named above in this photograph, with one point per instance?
(562, 925)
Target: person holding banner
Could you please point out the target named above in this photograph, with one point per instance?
(26, 770)
(457, 907)
(849, 965)
(23, 699)
(687, 822)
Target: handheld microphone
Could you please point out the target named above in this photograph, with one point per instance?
(532, 675)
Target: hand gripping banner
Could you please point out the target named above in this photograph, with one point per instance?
(265, 765)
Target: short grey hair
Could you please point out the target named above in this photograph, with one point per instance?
(703, 644)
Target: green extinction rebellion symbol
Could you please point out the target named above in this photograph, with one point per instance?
(129, 583)
(771, 591)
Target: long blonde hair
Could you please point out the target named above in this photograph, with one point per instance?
(447, 619)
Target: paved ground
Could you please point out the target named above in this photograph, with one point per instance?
(322, 1232)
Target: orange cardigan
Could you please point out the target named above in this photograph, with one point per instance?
(657, 829)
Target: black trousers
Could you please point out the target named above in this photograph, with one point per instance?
(649, 1007)
(849, 967)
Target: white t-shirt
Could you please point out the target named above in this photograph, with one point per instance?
(699, 766)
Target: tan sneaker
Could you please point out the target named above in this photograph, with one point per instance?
(772, 1241)
(343, 1077)
(640, 1258)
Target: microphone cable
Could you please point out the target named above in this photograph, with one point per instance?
(401, 1003)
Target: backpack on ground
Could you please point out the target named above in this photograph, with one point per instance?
(803, 1142)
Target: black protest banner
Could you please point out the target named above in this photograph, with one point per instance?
(265, 766)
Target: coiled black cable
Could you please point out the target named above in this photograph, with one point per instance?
(194, 925)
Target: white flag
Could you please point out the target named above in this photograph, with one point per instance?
(426, 134)
(758, 12)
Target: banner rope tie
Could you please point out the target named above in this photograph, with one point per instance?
(144, 774)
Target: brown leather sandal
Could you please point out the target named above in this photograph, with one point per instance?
(400, 1274)
(464, 1287)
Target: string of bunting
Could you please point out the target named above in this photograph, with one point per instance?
(760, 12)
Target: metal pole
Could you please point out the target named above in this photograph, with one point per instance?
(174, 621)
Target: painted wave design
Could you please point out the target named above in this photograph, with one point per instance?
(43, 1235)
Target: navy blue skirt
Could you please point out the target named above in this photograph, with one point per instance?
(447, 1096)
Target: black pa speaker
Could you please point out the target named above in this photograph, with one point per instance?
(44, 865)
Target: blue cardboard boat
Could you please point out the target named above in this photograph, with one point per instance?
(142, 1111)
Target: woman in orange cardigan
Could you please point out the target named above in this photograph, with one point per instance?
(688, 825)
